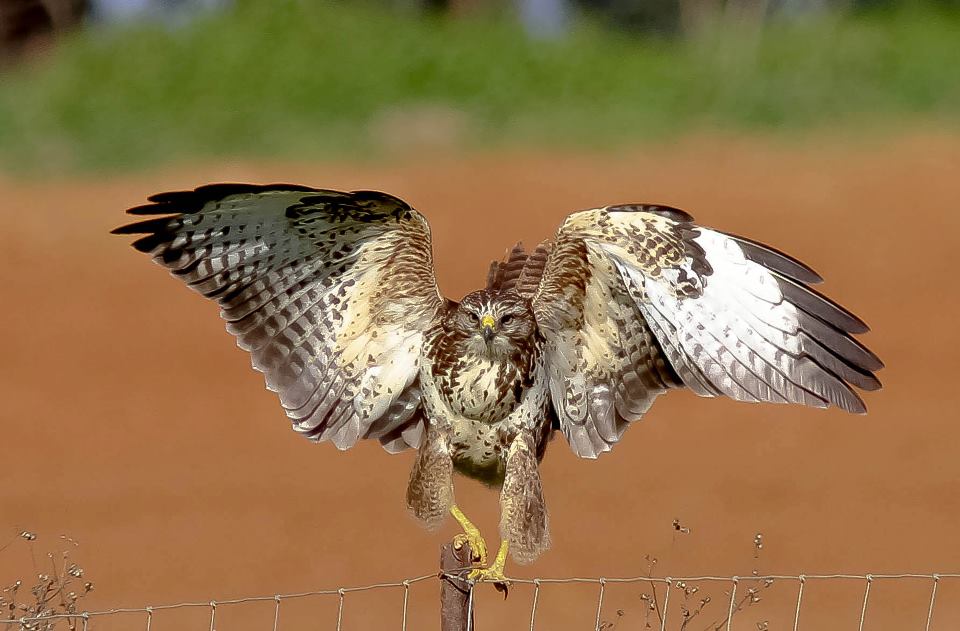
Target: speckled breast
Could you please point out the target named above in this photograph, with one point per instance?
(481, 403)
(481, 389)
(479, 449)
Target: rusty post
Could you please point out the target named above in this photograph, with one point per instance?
(454, 591)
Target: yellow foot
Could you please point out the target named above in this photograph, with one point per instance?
(478, 547)
(471, 536)
(494, 573)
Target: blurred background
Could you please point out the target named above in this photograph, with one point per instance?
(136, 438)
(126, 84)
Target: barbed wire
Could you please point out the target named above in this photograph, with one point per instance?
(537, 583)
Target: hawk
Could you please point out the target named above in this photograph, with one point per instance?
(333, 294)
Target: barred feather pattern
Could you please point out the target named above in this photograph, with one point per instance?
(330, 292)
(504, 274)
(430, 488)
(638, 299)
(605, 367)
(334, 296)
(524, 520)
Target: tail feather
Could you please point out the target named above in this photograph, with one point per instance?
(533, 269)
(504, 274)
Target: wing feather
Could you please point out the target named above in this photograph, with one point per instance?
(605, 366)
(330, 292)
(637, 299)
(775, 260)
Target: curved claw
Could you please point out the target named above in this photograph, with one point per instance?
(494, 573)
(478, 547)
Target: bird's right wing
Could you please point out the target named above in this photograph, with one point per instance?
(636, 299)
(331, 293)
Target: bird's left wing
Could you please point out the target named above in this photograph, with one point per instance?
(637, 299)
(331, 293)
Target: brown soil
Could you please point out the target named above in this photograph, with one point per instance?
(132, 423)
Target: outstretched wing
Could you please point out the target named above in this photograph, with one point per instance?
(331, 293)
(637, 299)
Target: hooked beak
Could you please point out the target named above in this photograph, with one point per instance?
(488, 327)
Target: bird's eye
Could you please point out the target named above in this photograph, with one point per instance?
(506, 319)
(474, 317)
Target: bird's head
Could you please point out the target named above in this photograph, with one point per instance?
(494, 323)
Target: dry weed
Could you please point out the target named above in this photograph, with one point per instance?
(54, 592)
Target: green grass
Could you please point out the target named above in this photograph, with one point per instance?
(301, 79)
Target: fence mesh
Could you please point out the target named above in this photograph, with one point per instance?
(735, 586)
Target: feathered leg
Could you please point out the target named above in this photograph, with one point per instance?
(523, 513)
(430, 490)
(430, 493)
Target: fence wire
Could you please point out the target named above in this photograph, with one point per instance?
(800, 579)
(539, 584)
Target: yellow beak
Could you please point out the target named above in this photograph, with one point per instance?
(488, 326)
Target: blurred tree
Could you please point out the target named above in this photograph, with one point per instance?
(670, 17)
(648, 16)
(446, 7)
(27, 22)
(436, 5)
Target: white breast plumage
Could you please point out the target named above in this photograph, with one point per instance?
(482, 389)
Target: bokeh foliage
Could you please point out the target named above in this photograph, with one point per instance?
(330, 80)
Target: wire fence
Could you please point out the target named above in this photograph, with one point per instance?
(82, 620)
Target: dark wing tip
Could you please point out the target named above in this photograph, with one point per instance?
(816, 304)
(858, 407)
(793, 277)
(148, 209)
(875, 362)
(193, 201)
(871, 383)
(174, 203)
(830, 324)
(148, 243)
(156, 231)
(774, 259)
(680, 216)
(219, 190)
(379, 196)
(143, 227)
(125, 229)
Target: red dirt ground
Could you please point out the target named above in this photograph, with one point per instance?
(132, 423)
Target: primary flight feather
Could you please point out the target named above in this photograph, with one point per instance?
(334, 296)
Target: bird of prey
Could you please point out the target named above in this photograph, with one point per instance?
(334, 295)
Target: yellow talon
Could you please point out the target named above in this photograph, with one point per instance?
(494, 573)
(471, 535)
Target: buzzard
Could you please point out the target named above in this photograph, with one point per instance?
(333, 294)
